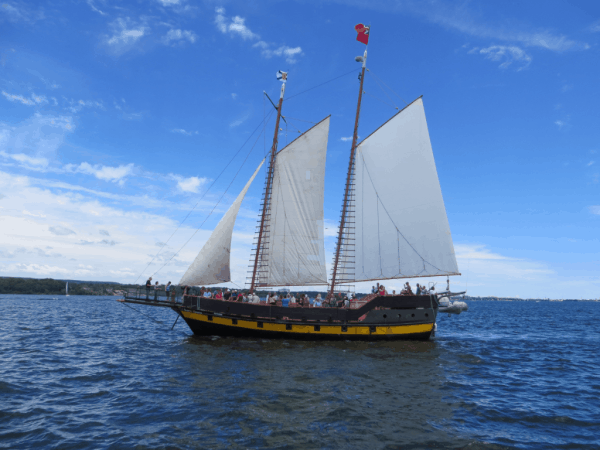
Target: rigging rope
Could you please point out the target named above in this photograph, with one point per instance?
(319, 85)
(215, 207)
(387, 86)
(264, 123)
(382, 101)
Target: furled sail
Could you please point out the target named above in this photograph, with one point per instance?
(295, 253)
(401, 228)
(211, 266)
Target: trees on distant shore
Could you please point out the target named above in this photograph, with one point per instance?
(49, 286)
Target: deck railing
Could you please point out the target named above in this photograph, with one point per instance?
(159, 295)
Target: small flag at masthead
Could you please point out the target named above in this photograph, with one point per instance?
(363, 33)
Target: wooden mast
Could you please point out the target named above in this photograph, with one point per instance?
(348, 178)
(267, 198)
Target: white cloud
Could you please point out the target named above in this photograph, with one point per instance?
(233, 95)
(179, 36)
(77, 105)
(289, 53)
(33, 100)
(105, 173)
(190, 184)
(75, 218)
(464, 20)
(93, 7)
(61, 231)
(234, 27)
(169, 2)
(182, 131)
(346, 139)
(25, 159)
(507, 54)
(560, 124)
(125, 34)
(594, 209)
(237, 27)
(34, 141)
(595, 27)
(19, 12)
(590, 163)
(241, 120)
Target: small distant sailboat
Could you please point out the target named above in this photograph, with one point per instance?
(67, 289)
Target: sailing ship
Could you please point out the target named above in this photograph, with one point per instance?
(393, 225)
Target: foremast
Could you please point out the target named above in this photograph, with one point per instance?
(263, 232)
(344, 237)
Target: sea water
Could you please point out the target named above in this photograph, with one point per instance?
(89, 372)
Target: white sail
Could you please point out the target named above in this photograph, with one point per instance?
(295, 253)
(401, 227)
(211, 266)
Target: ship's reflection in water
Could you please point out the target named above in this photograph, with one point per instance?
(318, 394)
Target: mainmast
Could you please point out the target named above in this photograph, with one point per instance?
(363, 36)
(267, 197)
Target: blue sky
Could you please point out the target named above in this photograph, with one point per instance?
(115, 118)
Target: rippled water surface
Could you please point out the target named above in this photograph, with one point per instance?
(88, 372)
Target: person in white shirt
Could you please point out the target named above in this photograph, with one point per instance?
(292, 298)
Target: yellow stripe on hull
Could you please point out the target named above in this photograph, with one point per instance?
(352, 330)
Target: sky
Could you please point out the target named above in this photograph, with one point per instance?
(128, 128)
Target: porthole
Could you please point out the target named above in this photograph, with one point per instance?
(373, 329)
(426, 314)
(385, 316)
(234, 321)
(317, 327)
(288, 326)
(344, 328)
(399, 316)
(210, 318)
(412, 315)
(259, 324)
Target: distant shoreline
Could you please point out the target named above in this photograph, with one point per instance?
(50, 286)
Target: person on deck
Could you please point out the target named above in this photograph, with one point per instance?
(219, 295)
(148, 287)
(318, 303)
(382, 290)
(156, 288)
(168, 288)
(373, 290)
(418, 289)
(226, 294)
(292, 298)
(206, 293)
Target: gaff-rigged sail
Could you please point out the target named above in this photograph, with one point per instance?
(401, 228)
(212, 265)
(295, 254)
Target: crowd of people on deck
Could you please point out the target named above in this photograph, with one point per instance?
(406, 290)
(273, 298)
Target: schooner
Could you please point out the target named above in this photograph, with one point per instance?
(393, 225)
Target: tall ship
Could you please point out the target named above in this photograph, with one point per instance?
(393, 225)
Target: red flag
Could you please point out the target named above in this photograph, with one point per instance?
(363, 33)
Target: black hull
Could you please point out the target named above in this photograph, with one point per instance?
(201, 328)
(382, 318)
